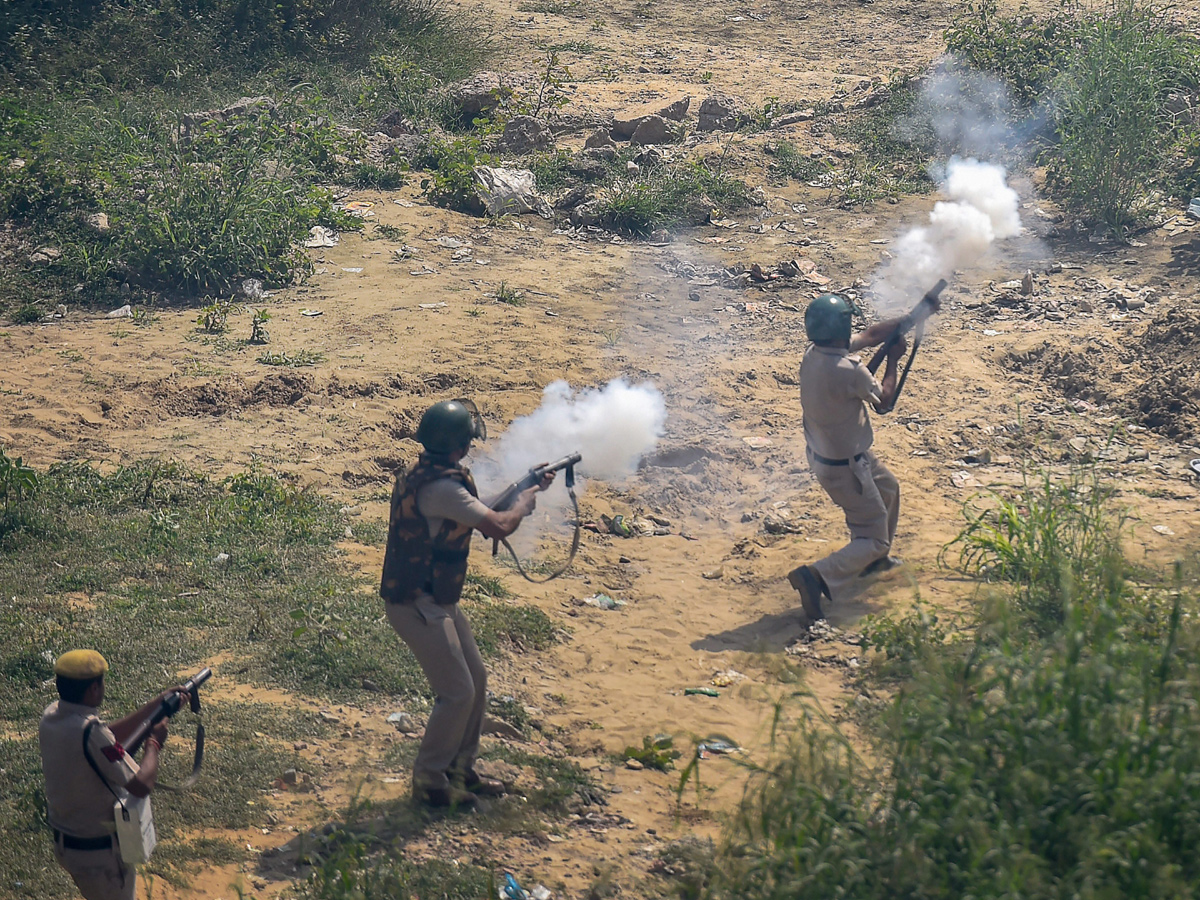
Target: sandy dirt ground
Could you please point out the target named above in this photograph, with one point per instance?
(397, 335)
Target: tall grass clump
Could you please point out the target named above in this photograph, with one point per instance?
(1112, 78)
(1015, 760)
(668, 196)
(1055, 540)
(1014, 768)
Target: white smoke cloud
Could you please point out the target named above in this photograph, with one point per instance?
(613, 427)
(981, 210)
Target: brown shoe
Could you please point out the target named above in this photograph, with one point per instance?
(808, 583)
(442, 798)
(481, 786)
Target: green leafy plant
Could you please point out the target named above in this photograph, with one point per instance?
(1056, 540)
(258, 327)
(214, 318)
(451, 179)
(655, 753)
(17, 480)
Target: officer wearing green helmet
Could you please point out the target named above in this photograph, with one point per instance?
(434, 511)
(835, 391)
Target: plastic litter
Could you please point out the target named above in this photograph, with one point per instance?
(707, 692)
(510, 889)
(541, 892)
(125, 312)
(1194, 208)
(509, 192)
(1195, 465)
(716, 746)
(602, 601)
(320, 236)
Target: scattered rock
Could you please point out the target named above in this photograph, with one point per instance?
(190, 123)
(572, 198)
(587, 213)
(43, 255)
(721, 112)
(524, 134)
(793, 118)
(633, 764)
(478, 94)
(654, 130)
(98, 222)
(125, 312)
(405, 724)
(500, 728)
(676, 109)
(603, 154)
(598, 139)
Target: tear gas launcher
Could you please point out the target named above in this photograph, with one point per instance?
(915, 322)
(169, 706)
(533, 478)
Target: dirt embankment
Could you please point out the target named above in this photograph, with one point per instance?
(1153, 377)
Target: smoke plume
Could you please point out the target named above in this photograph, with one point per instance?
(613, 427)
(981, 210)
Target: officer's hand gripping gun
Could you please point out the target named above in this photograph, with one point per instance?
(532, 479)
(169, 706)
(916, 319)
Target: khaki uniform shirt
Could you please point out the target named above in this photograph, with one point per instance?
(78, 802)
(446, 498)
(835, 389)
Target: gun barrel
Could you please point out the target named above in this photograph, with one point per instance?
(198, 679)
(570, 460)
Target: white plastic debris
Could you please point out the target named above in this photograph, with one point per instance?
(509, 192)
(320, 236)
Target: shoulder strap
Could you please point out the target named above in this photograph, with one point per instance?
(87, 731)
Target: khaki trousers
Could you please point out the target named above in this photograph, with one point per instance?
(99, 874)
(869, 495)
(440, 638)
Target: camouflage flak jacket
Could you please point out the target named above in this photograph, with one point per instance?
(415, 561)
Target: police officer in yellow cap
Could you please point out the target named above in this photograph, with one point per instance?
(80, 794)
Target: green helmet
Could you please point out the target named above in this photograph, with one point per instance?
(450, 426)
(828, 318)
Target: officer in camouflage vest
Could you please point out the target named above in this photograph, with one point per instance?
(435, 509)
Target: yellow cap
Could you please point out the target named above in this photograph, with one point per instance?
(81, 665)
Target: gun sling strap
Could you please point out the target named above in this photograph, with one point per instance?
(197, 761)
(569, 481)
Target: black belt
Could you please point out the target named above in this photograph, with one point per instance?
(826, 461)
(77, 843)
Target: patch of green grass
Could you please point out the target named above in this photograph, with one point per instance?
(390, 232)
(668, 197)
(128, 563)
(26, 315)
(1032, 755)
(788, 162)
(509, 295)
(896, 142)
(348, 871)
(1054, 539)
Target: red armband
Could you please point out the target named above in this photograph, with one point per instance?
(115, 753)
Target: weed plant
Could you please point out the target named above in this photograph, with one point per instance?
(1056, 541)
